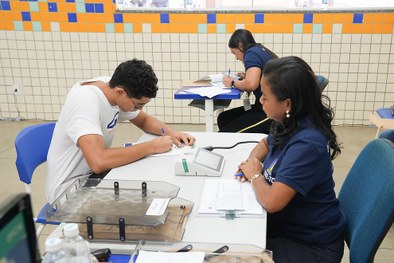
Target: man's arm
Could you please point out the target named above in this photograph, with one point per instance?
(101, 159)
(152, 125)
(249, 83)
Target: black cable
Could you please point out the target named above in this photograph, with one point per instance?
(211, 148)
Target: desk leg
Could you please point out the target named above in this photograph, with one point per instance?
(209, 115)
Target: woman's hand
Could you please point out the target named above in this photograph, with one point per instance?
(227, 81)
(242, 75)
(249, 168)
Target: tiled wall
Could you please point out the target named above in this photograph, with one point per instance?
(45, 46)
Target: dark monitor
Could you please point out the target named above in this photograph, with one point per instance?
(18, 242)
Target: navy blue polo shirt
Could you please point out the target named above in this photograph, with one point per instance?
(304, 164)
(256, 57)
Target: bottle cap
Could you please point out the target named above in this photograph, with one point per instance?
(71, 230)
(53, 244)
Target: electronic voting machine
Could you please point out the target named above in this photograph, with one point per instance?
(199, 162)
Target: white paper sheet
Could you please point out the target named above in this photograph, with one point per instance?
(158, 206)
(229, 194)
(170, 257)
(209, 92)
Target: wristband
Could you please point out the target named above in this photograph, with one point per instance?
(254, 177)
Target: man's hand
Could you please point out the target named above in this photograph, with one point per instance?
(180, 138)
(162, 144)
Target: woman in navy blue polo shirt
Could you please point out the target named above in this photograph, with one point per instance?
(291, 169)
(254, 56)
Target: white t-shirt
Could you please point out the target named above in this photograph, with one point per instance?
(85, 111)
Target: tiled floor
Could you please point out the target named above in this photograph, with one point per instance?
(353, 140)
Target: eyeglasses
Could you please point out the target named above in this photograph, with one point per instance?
(139, 105)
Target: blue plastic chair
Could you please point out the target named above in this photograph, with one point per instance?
(367, 199)
(387, 134)
(322, 82)
(32, 145)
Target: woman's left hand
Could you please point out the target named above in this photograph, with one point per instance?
(250, 167)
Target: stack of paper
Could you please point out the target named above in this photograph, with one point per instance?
(229, 194)
(204, 81)
(209, 92)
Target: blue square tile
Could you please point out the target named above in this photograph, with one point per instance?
(5, 5)
(70, 1)
(52, 7)
(358, 18)
(164, 18)
(26, 16)
(118, 18)
(72, 17)
(308, 18)
(211, 18)
(99, 8)
(89, 8)
(259, 18)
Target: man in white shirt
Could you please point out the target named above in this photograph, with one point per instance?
(81, 142)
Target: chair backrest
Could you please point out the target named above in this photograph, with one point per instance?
(32, 144)
(387, 134)
(367, 199)
(322, 82)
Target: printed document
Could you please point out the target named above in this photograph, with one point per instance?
(229, 194)
(209, 92)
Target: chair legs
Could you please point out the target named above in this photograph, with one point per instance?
(39, 229)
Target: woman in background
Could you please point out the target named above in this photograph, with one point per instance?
(254, 56)
(291, 169)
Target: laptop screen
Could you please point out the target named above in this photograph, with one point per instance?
(17, 230)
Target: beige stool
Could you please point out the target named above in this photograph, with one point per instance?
(383, 119)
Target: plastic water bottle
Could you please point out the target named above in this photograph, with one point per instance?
(76, 248)
(54, 252)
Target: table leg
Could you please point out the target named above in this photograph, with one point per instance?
(209, 115)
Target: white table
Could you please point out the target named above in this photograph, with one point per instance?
(246, 230)
(201, 229)
(209, 107)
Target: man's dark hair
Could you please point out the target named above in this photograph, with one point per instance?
(136, 77)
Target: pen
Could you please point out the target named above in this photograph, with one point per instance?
(239, 174)
(229, 72)
(162, 132)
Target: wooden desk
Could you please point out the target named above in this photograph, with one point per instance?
(182, 95)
